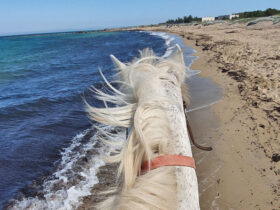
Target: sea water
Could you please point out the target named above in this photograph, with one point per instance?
(49, 153)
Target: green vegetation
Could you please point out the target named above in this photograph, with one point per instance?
(247, 16)
(185, 19)
(274, 19)
(259, 13)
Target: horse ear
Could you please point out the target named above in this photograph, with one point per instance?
(177, 55)
(117, 63)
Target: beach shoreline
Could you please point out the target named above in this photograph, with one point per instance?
(248, 136)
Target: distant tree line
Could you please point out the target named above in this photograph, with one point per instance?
(259, 13)
(185, 19)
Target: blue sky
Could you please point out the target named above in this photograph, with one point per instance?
(33, 16)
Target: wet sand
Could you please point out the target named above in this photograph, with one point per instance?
(243, 170)
(236, 174)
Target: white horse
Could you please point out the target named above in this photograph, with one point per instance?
(149, 103)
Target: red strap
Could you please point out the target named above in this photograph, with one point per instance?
(168, 160)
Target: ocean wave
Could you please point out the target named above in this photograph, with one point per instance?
(168, 41)
(75, 175)
(34, 106)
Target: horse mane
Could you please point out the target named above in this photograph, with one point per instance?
(140, 106)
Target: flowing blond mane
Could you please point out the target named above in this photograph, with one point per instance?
(140, 105)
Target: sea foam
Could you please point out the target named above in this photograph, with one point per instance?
(75, 176)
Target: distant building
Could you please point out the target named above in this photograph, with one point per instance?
(233, 16)
(222, 17)
(205, 19)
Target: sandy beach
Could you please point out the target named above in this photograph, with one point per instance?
(244, 61)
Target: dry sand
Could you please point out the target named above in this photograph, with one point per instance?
(243, 170)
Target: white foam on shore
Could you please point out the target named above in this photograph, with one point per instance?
(75, 176)
(170, 43)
